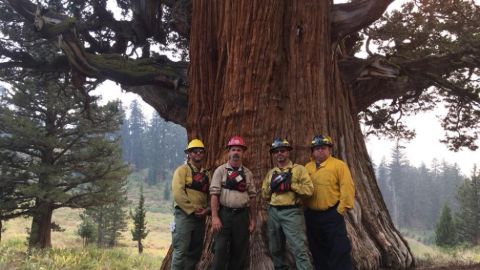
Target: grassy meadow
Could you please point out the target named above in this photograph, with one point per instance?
(431, 255)
(68, 252)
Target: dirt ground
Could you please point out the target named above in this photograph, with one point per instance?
(451, 267)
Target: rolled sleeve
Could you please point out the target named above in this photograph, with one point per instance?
(216, 183)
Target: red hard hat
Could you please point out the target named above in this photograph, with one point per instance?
(236, 141)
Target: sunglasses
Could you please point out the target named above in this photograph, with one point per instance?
(279, 151)
(199, 151)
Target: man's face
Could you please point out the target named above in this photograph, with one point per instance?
(281, 154)
(321, 153)
(235, 153)
(196, 155)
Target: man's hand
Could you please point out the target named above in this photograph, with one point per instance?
(216, 224)
(251, 226)
(201, 212)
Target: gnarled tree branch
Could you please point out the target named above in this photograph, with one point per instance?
(378, 78)
(158, 80)
(352, 17)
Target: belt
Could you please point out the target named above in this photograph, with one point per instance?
(325, 210)
(234, 210)
(283, 207)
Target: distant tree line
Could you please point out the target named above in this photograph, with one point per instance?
(415, 196)
(436, 198)
(462, 227)
(155, 144)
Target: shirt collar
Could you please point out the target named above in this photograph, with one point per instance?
(195, 169)
(289, 166)
(323, 164)
(230, 166)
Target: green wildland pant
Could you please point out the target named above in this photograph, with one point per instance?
(187, 241)
(287, 224)
(232, 242)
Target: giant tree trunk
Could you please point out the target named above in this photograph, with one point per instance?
(40, 232)
(262, 69)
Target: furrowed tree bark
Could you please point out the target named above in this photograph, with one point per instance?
(40, 234)
(267, 69)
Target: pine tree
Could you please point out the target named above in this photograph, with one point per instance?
(117, 224)
(445, 234)
(125, 137)
(449, 181)
(396, 174)
(156, 154)
(385, 185)
(56, 152)
(137, 127)
(426, 199)
(139, 231)
(110, 221)
(468, 216)
(86, 229)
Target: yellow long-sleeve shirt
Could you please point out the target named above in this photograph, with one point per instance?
(186, 198)
(332, 183)
(301, 187)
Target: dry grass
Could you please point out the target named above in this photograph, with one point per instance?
(453, 258)
(156, 243)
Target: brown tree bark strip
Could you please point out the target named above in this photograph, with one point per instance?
(41, 226)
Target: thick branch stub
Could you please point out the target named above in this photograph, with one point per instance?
(352, 17)
(170, 105)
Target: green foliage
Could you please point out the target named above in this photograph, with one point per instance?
(157, 145)
(414, 196)
(139, 231)
(110, 221)
(54, 153)
(418, 36)
(445, 233)
(468, 216)
(86, 229)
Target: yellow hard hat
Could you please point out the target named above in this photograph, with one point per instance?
(195, 143)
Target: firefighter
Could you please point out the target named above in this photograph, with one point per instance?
(190, 185)
(233, 193)
(333, 195)
(283, 188)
